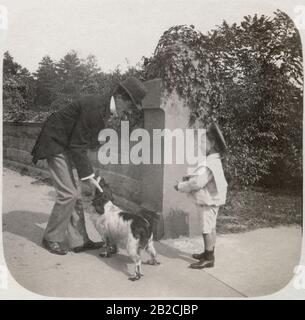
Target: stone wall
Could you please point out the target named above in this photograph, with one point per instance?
(145, 185)
(18, 141)
(179, 216)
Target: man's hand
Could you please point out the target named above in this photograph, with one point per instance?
(95, 182)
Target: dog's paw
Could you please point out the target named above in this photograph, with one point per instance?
(105, 255)
(152, 262)
(135, 277)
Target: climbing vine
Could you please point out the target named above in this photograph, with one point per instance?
(184, 65)
(249, 78)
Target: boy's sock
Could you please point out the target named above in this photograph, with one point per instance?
(200, 255)
(209, 240)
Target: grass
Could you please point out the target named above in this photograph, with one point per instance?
(258, 208)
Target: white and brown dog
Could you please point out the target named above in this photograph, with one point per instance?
(120, 228)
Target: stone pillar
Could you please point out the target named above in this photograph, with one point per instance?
(179, 217)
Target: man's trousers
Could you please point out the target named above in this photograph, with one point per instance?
(67, 216)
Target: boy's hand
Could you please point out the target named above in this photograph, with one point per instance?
(176, 186)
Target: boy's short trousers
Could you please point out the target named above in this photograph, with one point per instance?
(208, 217)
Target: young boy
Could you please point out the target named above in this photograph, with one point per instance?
(208, 187)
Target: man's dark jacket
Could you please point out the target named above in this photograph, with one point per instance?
(73, 130)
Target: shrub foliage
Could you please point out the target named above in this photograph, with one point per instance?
(248, 78)
(32, 97)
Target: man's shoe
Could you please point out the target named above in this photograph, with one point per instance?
(198, 256)
(89, 245)
(207, 261)
(54, 247)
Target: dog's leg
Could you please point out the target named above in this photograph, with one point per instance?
(150, 249)
(140, 264)
(138, 268)
(106, 252)
(133, 252)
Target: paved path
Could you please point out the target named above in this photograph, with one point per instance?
(249, 264)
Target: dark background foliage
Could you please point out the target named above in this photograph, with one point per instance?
(248, 77)
(32, 97)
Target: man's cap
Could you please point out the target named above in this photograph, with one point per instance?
(135, 89)
(214, 130)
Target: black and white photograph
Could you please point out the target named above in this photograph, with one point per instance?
(152, 150)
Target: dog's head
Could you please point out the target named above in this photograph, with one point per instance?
(101, 198)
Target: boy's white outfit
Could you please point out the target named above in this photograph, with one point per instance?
(207, 186)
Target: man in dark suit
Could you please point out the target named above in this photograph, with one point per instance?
(63, 141)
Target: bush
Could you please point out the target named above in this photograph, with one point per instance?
(249, 79)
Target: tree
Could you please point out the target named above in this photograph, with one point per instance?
(18, 88)
(70, 78)
(91, 73)
(76, 77)
(249, 78)
(46, 83)
(261, 77)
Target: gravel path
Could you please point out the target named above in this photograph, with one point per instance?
(249, 264)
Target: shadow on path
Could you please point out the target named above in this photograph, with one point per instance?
(25, 224)
(30, 226)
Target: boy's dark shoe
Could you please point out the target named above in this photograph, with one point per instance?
(198, 256)
(89, 245)
(207, 261)
(54, 247)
